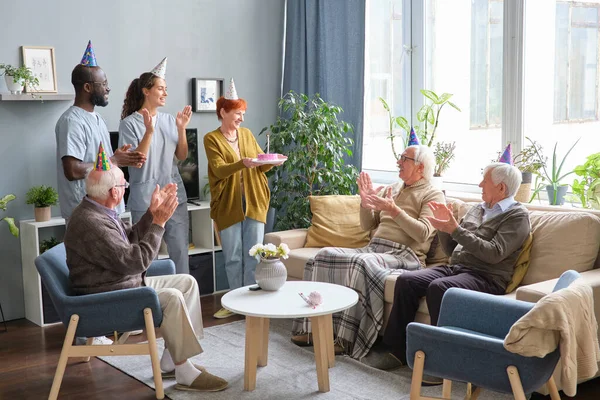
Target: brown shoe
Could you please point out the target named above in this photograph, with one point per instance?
(171, 374)
(205, 382)
(303, 340)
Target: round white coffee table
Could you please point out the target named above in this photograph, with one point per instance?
(259, 306)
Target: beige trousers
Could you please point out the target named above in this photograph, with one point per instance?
(182, 316)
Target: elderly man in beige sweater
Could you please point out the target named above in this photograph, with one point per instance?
(401, 239)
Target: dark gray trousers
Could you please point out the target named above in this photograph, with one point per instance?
(431, 283)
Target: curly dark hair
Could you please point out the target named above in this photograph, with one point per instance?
(134, 98)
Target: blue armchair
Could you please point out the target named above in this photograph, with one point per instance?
(101, 314)
(468, 346)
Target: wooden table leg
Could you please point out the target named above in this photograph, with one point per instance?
(329, 339)
(253, 337)
(263, 354)
(320, 338)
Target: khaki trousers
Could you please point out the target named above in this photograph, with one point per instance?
(182, 316)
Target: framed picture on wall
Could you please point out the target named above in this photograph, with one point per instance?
(205, 93)
(41, 62)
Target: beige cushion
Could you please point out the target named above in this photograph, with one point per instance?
(336, 222)
(297, 260)
(562, 241)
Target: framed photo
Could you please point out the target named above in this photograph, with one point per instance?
(41, 62)
(205, 93)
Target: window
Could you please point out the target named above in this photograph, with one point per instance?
(576, 62)
(387, 76)
(486, 63)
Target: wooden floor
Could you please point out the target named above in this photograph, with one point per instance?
(29, 354)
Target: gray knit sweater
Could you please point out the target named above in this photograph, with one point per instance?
(491, 247)
(100, 259)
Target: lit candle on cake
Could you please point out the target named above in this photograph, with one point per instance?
(268, 140)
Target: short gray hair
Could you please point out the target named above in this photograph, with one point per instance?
(99, 188)
(424, 155)
(505, 173)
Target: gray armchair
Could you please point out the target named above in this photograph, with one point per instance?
(468, 346)
(102, 314)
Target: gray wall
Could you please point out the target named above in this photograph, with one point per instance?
(202, 38)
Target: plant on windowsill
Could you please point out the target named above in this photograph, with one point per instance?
(9, 220)
(309, 132)
(587, 189)
(528, 162)
(552, 177)
(42, 197)
(429, 116)
(18, 77)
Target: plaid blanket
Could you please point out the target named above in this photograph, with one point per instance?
(365, 271)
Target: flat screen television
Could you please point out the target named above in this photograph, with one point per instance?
(188, 168)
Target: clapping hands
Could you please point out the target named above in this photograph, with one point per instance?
(443, 217)
(163, 203)
(370, 199)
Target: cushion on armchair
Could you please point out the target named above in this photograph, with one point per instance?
(336, 222)
(521, 265)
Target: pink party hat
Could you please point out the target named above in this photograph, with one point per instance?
(89, 58)
(231, 93)
(506, 157)
(102, 161)
(413, 140)
(161, 69)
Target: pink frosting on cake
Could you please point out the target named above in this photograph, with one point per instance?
(268, 157)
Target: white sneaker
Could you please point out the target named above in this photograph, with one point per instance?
(102, 340)
(137, 332)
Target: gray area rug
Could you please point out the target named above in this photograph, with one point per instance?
(290, 373)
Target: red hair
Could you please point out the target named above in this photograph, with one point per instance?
(228, 105)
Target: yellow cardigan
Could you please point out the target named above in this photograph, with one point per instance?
(224, 166)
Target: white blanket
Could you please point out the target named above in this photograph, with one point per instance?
(564, 318)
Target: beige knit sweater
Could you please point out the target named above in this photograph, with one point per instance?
(410, 227)
(566, 319)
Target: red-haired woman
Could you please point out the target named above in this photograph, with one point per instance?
(239, 190)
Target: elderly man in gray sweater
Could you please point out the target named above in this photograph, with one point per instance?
(484, 248)
(104, 254)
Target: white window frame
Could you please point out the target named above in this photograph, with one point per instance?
(512, 80)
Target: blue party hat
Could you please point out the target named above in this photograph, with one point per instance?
(413, 140)
(506, 157)
(89, 58)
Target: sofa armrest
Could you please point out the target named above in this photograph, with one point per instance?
(294, 238)
(534, 292)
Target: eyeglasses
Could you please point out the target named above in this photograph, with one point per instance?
(404, 158)
(125, 185)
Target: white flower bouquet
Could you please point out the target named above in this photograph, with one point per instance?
(269, 251)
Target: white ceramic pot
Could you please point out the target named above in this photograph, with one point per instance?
(270, 274)
(14, 88)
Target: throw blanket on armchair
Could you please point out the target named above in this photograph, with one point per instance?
(563, 318)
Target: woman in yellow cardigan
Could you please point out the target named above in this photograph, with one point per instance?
(239, 190)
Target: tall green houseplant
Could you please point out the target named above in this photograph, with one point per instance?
(9, 220)
(316, 142)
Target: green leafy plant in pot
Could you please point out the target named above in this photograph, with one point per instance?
(42, 197)
(529, 163)
(429, 116)
(316, 143)
(17, 77)
(587, 189)
(9, 220)
(552, 176)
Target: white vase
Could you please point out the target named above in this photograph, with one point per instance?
(270, 274)
(14, 88)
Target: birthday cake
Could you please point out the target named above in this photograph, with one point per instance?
(268, 157)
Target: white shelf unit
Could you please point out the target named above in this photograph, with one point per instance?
(32, 234)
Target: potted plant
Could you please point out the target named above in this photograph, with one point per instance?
(429, 116)
(529, 163)
(17, 77)
(587, 189)
(552, 177)
(9, 220)
(315, 141)
(271, 273)
(42, 197)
